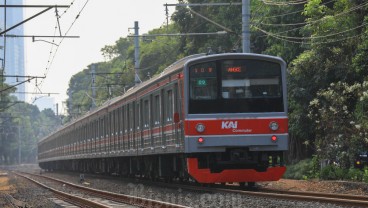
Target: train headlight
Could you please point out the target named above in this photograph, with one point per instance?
(200, 128)
(274, 126)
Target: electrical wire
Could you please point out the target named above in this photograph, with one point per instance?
(295, 12)
(313, 37)
(62, 39)
(284, 3)
(308, 43)
(319, 20)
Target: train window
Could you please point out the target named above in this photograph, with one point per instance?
(240, 80)
(157, 110)
(170, 106)
(203, 81)
(138, 116)
(146, 114)
(235, 86)
(121, 122)
(126, 120)
(117, 121)
(131, 117)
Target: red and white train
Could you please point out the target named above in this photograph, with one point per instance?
(212, 118)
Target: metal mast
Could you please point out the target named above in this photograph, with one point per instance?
(93, 67)
(136, 52)
(245, 25)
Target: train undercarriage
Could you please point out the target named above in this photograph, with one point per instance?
(234, 165)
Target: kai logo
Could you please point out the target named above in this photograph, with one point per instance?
(229, 125)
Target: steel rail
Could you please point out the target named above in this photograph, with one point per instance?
(317, 194)
(122, 198)
(339, 199)
(79, 201)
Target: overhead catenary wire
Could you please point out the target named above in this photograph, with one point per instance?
(313, 37)
(292, 39)
(62, 39)
(309, 43)
(318, 20)
(284, 3)
(295, 12)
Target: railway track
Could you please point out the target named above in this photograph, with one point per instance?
(100, 199)
(337, 199)
(332, 198)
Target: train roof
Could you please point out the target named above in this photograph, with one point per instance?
(168, 70)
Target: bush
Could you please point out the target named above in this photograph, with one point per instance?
(309, 168)
(300, 170)
(333, 172)
(355, 174)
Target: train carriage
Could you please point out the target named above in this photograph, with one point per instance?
(212, 118)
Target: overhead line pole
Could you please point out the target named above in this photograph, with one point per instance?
(4, 57)
(93, 68)
(136, 52)
(245, 26)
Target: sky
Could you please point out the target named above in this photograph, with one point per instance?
(100, 23)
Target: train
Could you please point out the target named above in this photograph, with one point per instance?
(208, 118)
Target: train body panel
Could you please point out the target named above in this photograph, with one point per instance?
(222, 116)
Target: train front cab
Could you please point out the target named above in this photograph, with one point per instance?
(236, 125)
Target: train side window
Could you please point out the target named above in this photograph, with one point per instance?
(102, 127)
(138, 116)
(126, 120)
(131, 117)
(121, 122)
(170, 106)
(157, 110)
(146, 114)
(111, 123)
(117, 121)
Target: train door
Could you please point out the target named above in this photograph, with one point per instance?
(126, 127)
(110, 132)
(157, 139)
(169, 127)
(123, 128)
(106, 134)
(178, 103)
(163, 107)
(131, 126)
(118, 130)
(146, 123)
(102, 138)
(138, 129)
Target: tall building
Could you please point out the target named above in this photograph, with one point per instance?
(13, 47)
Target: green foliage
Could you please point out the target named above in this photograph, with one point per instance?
(339, 133)
(301, 170)
(333, 172)
(22, 126)
(355, 174)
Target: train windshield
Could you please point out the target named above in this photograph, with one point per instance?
(235, 86)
